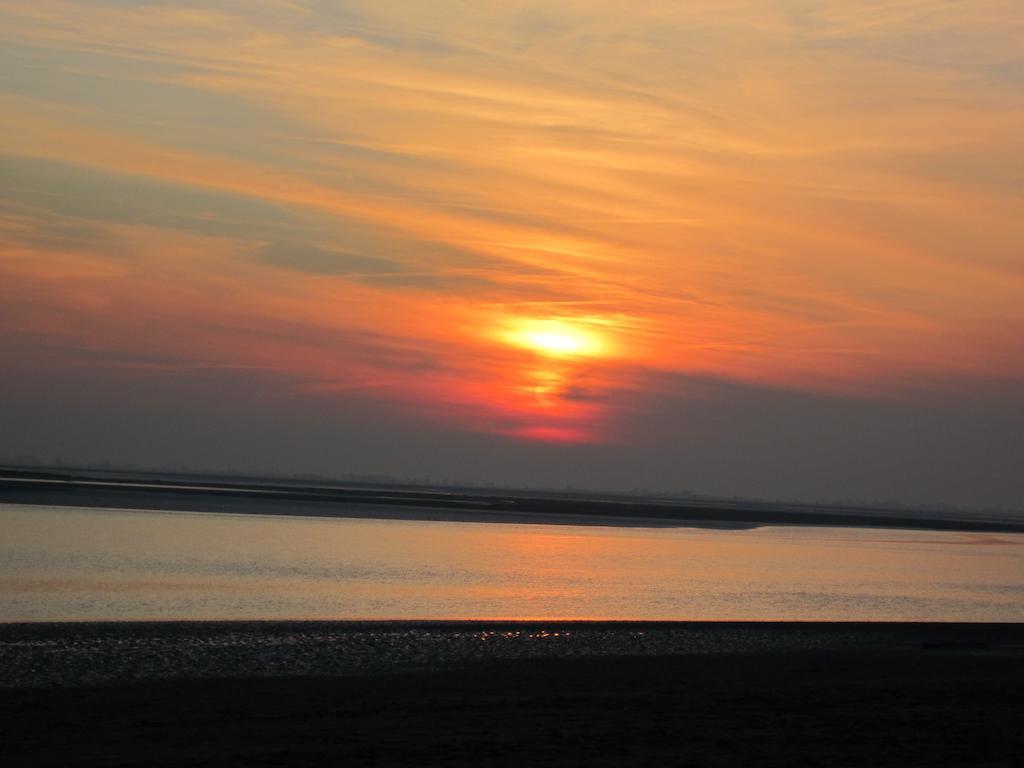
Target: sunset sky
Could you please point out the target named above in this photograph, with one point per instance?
(763, 248)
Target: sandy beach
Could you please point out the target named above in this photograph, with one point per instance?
(778, 694)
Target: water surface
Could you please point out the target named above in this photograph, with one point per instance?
(65, 563)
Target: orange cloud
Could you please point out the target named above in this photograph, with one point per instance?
(788, 195)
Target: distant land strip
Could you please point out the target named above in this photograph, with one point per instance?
(197, 493)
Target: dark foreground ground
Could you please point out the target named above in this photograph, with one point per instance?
(814, 694)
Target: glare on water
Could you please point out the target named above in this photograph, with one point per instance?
(67, 564)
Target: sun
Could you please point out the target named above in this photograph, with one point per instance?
(556, 338)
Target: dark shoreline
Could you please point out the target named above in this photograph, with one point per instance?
(609, 694)
(167, 493)
(75, 654)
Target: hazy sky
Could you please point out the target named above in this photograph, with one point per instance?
(764, 247)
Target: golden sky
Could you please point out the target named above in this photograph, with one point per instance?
(524, 219)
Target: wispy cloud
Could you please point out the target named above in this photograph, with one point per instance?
(819, 196)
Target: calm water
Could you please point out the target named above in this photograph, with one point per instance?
(68, 564)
